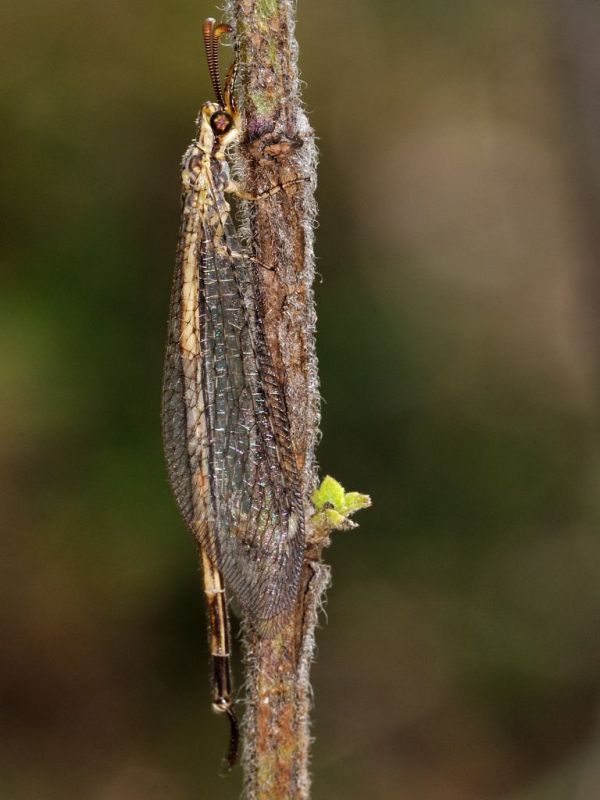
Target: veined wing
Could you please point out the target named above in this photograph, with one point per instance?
(225, 426)
(185, 436)
(258, 520)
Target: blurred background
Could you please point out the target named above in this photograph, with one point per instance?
(459, 341)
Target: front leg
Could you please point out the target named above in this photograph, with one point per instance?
(233, 188)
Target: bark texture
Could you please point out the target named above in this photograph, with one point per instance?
(279, 147)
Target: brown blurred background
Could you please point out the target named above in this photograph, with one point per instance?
(459, 344)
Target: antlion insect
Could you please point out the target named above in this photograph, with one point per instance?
(225, 425)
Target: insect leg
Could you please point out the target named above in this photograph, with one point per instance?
(220, 651)
(234, 189)
(228, 89)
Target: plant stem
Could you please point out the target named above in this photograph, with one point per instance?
(279, 147)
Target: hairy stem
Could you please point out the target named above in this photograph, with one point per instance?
(278, 148)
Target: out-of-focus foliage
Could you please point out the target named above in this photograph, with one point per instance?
(461, 656)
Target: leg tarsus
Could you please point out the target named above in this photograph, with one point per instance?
(231, 757)
(234, 738)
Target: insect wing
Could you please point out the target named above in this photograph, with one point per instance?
(225, 429)
(257, 538)
(185, 435)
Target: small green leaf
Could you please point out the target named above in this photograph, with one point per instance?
(354, 501)
(333, 518)
(329, 493)
(333, 507)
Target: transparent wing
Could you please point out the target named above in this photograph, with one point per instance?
(258, 520)
(227, 436)
(185, 437)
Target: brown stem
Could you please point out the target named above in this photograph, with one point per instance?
(279, 147)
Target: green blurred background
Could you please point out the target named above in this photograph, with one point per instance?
(458, 343)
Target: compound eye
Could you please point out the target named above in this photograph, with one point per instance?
(221, 122)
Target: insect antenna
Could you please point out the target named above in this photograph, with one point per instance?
(212, 33)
